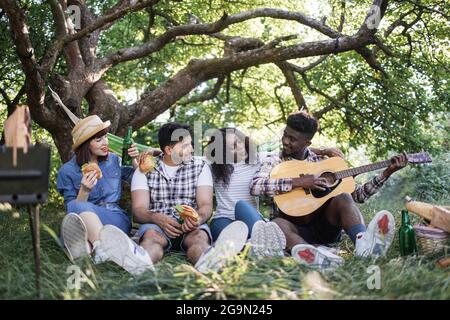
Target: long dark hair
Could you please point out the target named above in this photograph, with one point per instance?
(84, 154)
(221, 170)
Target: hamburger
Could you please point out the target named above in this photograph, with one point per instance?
(91, 166)
(186, 211)
(147, 163)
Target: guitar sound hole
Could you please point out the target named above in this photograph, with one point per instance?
(329, 176)
(332, 184)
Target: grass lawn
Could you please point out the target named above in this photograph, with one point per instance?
(244, 278)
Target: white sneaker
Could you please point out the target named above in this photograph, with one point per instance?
(74, 234)
(267, 239)
(124, 251)
(332, 250)
(378, 237)
(100, 255)
(315, 256)
(258, 239)
(230, 242)
(276, 239)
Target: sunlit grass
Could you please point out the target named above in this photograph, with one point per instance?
(175, 278)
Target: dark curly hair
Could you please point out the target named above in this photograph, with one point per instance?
(304, 123)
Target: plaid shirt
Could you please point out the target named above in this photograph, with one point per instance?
(263, 185)
(166, 192)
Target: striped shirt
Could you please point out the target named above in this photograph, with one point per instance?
(263, 185)
(237, 189)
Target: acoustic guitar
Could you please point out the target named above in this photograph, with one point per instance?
(340, 179)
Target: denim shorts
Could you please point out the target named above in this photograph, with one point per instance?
(108, 213)
(173, 244)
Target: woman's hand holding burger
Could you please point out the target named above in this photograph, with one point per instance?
(89, 181)
(91, 173)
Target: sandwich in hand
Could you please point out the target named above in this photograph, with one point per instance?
(91, 166)
(186, 211)
(146, 163)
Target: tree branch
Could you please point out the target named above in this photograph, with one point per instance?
(198, 71)
(292, 82)
(343, 96)
(25, 51)
(58, 18)
(53, 51)
(157, 44)
(64, 28)
(207, 95)
(425, 8)
(211, 29)
(280, 102)
(249, 97)
(299, 69)
(11, 104)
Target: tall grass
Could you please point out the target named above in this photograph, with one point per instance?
(244, 278)
(175, 278)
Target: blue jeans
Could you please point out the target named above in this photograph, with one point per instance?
(244, 212)
(108, 214)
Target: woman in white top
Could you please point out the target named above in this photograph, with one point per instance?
(233, 166)
(234, 161)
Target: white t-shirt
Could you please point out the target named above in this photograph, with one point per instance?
(139, 181)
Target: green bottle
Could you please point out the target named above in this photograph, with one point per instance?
(127, 142)
(407, 236)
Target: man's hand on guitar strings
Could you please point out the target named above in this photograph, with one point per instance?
(397, 162)
(310, 181)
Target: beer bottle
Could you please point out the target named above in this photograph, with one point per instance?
(407, 236)
(127, 142)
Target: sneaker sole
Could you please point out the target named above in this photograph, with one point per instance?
(74, 235)
(257, 239)
(115, 244)
(275, 238)
(315, 257)
(230, 242)
(235, 233)
(377, 238)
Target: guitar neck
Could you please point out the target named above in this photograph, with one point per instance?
(363, 169)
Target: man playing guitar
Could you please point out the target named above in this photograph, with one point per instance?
(324, 225)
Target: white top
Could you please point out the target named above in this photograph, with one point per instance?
(237, 189)
(139, 181)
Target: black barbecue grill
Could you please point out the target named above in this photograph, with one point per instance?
(27, 185)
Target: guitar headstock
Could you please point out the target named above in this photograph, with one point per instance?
(421, 157)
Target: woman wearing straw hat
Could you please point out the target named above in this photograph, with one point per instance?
(95, 223)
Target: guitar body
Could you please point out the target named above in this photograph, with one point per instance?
(300, 202)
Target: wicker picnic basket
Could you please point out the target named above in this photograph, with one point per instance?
(431, 240)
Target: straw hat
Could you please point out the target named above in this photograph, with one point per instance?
(86, 128)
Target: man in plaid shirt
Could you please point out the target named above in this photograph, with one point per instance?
(178, 179)
(324, 226)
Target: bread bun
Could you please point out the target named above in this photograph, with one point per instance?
(91, 166)
(186, 211)
(147, 163)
